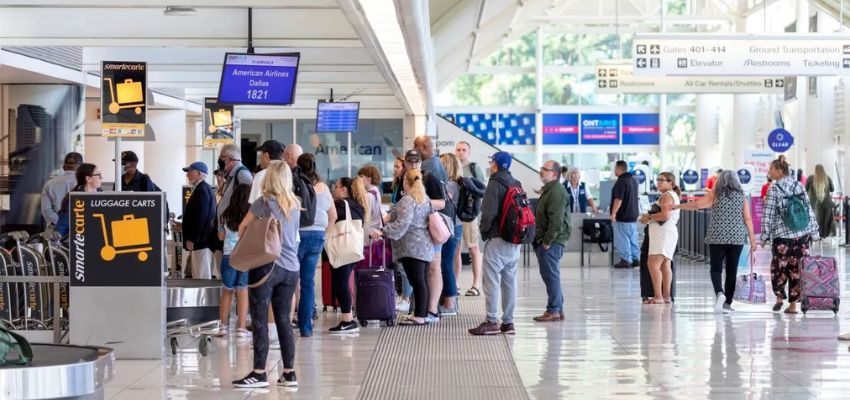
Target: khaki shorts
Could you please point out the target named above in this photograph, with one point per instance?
(471, 233)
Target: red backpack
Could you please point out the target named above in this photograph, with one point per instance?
(517, 224)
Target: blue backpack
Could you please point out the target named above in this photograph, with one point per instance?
(796, 213)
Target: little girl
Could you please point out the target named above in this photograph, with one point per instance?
(232, 279)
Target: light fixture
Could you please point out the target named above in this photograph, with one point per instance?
(179, 11)
(382, 17)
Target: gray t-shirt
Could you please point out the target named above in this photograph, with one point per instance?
(288, 258)
(324, 201)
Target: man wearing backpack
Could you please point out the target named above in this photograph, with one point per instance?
(553, 222)
(500, 256)
(471, 230)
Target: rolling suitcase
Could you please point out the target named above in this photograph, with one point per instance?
(820, 284)
(375, 289)
(328, 296)
(646, 289)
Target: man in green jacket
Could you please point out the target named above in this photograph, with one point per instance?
(553, 232)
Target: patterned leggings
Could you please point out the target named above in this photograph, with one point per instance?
(785, 266)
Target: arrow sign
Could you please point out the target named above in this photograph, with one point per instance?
(641, 63)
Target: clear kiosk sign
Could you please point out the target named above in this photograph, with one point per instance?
(741, 55)
(780, 140)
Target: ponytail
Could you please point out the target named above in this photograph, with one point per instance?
(781, 165)
(359, 194)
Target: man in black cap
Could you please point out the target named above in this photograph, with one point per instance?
(269, 151)
(57, 187)
(134, 180)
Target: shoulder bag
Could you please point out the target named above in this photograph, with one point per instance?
(344, 240)
(259, 244)
(439, 226)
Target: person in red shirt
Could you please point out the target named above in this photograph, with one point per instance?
(712, 180)
(765, 188)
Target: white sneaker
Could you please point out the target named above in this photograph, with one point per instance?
(243, 333)
(402, 305)
(718, 302)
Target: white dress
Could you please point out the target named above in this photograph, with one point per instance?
(664, 238)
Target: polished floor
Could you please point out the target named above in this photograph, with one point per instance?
(609, 347)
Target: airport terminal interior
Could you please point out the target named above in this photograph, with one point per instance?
(594, 199)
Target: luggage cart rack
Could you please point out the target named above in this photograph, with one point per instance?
(203, 332)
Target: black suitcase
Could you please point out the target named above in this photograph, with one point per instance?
(375, 295)
(646, 290)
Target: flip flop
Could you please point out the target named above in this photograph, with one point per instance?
(473, 292)
(787, 311)
(411, 322)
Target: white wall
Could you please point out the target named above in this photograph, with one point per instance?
(165, 157)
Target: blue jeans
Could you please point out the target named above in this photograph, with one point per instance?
(231, 278)
(625, 241)
(550, 271)
(406, 288)
(447, 263)
(309, 251)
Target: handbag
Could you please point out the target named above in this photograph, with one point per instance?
(750, 287)
(439, 227)
(11, 341)
(655, 208)
(344, 240)
(258, 245)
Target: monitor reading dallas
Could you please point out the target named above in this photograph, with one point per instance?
(258, 79)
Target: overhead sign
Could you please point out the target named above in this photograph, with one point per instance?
(641, 129)
(116, 238)
(218, 122)
(560, 129)
(123, 89)
(616, 78)
(600, 129)
(780, 140)
(690, 177)
(262, 79)
(337, 117)
(741, 55)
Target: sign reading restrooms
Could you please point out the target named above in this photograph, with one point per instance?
(116, 239)
(123, 111)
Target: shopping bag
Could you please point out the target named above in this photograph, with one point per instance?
(749, 287)
(344, 241)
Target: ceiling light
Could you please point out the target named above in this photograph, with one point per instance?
(179, 11)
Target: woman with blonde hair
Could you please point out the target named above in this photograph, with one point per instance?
(350, 194)
(449, 263)
(407, 230)
(663, 236)
(819, 188)
(276, 280)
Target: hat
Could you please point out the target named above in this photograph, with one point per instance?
(502, 159)
(197, 166)
(413, 156)
(73, 158)
(273, 148)
(129, 156)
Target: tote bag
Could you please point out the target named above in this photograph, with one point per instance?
(344, 241)
(749, 287)
(259, 245)
(440, 227)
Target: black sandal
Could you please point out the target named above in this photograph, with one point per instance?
(411, 322)
(473, 292)
(777, 307)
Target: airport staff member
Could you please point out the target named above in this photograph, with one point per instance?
(57, 187)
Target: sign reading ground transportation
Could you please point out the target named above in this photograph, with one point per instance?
(600, 129)
(337, 117)
(560, 129)
(218, 122)
(263, 79)
(123, 111)
(116, 239)
(616, 78)
(641, 129)
(741, 55)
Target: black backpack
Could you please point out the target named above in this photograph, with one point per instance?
(303, 188)
(599, 230)
(469, 201)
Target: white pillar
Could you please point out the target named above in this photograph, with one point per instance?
(744, 127)
(706, 131)
(800, 139)
(538, 103)
(164, 158)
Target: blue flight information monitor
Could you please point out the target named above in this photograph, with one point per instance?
(258, 79)
(337, 117)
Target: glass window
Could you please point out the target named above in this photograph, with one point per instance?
(681, 129)
(490, 90)
(583, 49)
(519, 53)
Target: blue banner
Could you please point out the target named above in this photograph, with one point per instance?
(560, 128)
(517, 129)
(481, 125)
(600, 129)
(641, 129)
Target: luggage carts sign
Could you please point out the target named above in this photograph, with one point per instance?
(123, 89)
(117, 239)
(218, 122)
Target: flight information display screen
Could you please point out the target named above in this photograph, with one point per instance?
(258, 79)
(337, 117)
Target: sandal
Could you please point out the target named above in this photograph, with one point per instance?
(411, 322)
(473, 292)
(790, 311)
(777, 307)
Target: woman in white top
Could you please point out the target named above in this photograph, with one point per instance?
(663, 236)
(371, 178)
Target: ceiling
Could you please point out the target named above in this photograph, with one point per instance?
(185, 53)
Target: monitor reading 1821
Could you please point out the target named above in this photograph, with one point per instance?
(337, 117)
(259, 79)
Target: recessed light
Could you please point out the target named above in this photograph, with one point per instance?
(179, 11)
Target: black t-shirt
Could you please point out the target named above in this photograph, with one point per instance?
(353, 206)
(433, 187)
(626, 189)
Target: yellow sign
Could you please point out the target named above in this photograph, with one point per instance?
(129, 235)
(123, 97)
(218, 118)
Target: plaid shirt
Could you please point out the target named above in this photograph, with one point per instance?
(772, 226)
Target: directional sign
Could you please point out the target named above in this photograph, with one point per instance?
(742, 55)
(617, 77)
(780, 140)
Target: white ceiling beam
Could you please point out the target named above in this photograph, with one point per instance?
(450, 15)
(259, 4)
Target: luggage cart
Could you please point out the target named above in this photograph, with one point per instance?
(203, 332)
(130, 95)
(129, 235)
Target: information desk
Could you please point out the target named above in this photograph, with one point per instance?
(59, 372)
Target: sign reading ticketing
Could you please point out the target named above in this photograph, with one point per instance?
(617, 77)
(641, 129)
(741, 55)
(600, 129)
(560, 129)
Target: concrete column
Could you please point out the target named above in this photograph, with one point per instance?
(706, 142)
(744, 127)
(164, 158)
(800, 139)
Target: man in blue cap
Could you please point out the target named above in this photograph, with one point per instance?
(500, 256)
(198, 220)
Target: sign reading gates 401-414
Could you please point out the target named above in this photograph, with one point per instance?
(116, 239)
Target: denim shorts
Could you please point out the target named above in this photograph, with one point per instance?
(231, 278)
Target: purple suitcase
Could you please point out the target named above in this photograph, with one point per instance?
(375, 293)
(820, 284)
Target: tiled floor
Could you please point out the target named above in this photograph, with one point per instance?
(609, 347)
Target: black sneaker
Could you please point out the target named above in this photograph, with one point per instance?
(507, 329)
(635, 263)
(486, 328)
(252, 380)
(623, 264)
(345, 328)
(288, 379)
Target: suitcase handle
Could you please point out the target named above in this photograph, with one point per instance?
(128, 217)
(128, 80)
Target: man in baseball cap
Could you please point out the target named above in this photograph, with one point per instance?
(198, 220)
(134, 180)
(502, 160)
(269, 151)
